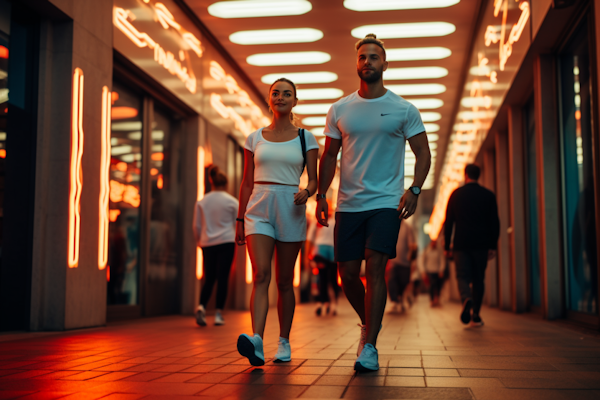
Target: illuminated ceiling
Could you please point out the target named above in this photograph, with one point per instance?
(428, 44)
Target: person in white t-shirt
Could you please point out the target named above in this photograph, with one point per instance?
(371, 126)
(214, 230)
(272, 215)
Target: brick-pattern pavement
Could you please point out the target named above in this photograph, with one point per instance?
(424, 354)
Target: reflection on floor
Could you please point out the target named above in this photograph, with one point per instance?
(424, 354)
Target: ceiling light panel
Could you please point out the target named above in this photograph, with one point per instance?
(426, 104)
(381, 5)
(312, 109)
(302, 77)
(417, 53)
(291, 58)
(415, 73)
(275, 36)
(429, 128)
(258, 8)
(319, 94)
(318, 131)
(417, 89)
(314, 121)
(407, 30)
(430, 116)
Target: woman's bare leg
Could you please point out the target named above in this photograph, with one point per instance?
(260, 249)
(285, 257)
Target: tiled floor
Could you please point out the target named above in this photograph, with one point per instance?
(424, 354)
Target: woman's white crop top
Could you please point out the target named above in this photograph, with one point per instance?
(278, 162)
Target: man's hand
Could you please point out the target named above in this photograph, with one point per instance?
(491, 254)
(408, 204)
(240, 236)
(322, 212)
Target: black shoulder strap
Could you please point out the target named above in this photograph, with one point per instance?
(303, 143)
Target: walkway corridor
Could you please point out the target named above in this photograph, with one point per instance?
(424, 354)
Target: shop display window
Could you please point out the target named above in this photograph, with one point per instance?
(578, 177)
(5, 23)
(125, 199)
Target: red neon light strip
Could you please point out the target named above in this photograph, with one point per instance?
(76, 182)
(104, 180)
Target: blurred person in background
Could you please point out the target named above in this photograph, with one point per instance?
(214, 230)
(399, 269)
(472, 213)
(321, 241)
(272, 215)
(433, 264)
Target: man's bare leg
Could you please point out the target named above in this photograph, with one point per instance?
(353, 286)
(376, 293)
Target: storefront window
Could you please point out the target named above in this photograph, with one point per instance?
(125, 200)
(163, 273)
(579, 202)
(4, 27)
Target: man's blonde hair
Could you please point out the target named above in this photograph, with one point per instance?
(371, 38)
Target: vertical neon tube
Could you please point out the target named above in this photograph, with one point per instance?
(76, 181)
(104, 180)
(199, 196)
(297, 272)
(248, 266)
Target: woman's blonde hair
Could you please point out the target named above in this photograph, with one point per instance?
(286, 80)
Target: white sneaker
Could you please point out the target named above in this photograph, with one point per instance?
(368, 359)
(219, 318)
(251, 347)
(284, 352)
(201, 316)
(363, 338)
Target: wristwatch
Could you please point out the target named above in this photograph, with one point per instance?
(321, 196)
(415, 190)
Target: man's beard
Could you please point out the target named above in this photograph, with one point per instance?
(373, 77)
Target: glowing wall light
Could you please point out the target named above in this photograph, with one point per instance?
(426, 104)
(381, 5)
(313, 121)
(289, 58)
(431, 116)
(406, 30)
(319, 94)
(302, 77)
(297, 272)
(417, 89)
(104, 179)
(199, 196)
(307, 109)
(275, 36)
(76, 182)
(258, 8)
(415, 73)
(248, 267)
(417, 53)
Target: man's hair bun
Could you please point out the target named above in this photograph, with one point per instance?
(371, 35)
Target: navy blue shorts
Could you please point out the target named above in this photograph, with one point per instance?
(374, 229)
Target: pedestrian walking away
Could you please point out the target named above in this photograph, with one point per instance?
(372, 126)
(214, 230)
(433, 266)
(472, 213)
(398, 270)
(272, 215)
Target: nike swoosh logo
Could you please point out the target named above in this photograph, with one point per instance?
(383, 115)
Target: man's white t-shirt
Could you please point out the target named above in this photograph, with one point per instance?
(214, 219)
(373, 134)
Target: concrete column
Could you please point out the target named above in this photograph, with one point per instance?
(502, 197)
(517, 234)
(62, 297)
(491, 276)
(549, 178)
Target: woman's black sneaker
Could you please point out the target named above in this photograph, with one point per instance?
(476, 321)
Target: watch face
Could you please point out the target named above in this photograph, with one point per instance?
(415, 190)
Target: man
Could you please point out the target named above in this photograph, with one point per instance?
(473, 213)
(372, 125)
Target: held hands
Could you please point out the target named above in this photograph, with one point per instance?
(322, 212)
(301, 197)
(240, 233)
(408, 204)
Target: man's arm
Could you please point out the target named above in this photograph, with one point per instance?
(327, 168)
(419, 146)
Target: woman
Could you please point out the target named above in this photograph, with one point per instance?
(272, 215)
(214, 229)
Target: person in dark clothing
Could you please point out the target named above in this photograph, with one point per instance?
(473, 214)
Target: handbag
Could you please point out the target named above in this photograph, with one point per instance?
(303, 144)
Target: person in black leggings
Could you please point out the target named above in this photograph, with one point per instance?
(214, 229)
